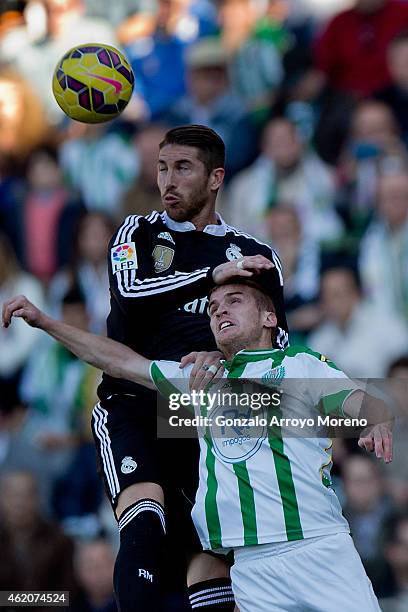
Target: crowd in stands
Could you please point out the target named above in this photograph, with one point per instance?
(313, 108)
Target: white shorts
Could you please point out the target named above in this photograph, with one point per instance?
(323, 574)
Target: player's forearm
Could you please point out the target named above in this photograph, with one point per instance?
(114, 358)
(364, 406)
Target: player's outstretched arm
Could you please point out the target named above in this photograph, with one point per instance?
(112, 357)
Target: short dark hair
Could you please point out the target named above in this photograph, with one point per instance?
(210, 145)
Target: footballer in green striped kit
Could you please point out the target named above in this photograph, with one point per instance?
(267, 497)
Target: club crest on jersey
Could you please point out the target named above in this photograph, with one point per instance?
(128, 465)
(166, 236)
(123, 257)
(233, 252)
(162, 257)
(274, 377)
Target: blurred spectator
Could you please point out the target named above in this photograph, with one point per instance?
(88, 269)
(155, 43)
(77, 494)
(18, 448)
(16, 342)
(384, 249)
(49, 212)
(396, 552)
(11, 15)
(359, 338)
(288, 173)
(93, 563)
(366, 506)
(256, 68)
(23, 124)
(397, 471)
(36, 555)
(144, 196)
(373, 144)
(100, 165)
(210, 101)
(396, 94)
(300, 259)
(300, 96)
(52, 28)
(352, 50)
(56, 386)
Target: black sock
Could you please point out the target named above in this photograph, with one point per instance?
(215, 594)
(136, 579)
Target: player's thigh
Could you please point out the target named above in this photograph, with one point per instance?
(328, 576)
(124, 430)
(259, 585)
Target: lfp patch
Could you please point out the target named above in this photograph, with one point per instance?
(123, 257)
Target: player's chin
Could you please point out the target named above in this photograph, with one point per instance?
(175, 210)
(225, 337)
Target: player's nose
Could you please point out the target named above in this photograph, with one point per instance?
(169, 180)
(221, 310)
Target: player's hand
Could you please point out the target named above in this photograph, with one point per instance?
(247, 266)
(378, 439)
(22, 308)
(207, 365)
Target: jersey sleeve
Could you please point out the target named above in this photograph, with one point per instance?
(327, 386)
(131, 269)
(169, 378)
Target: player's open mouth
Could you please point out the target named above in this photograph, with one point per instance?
(225, 325)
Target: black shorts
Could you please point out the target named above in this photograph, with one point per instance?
(128, 452)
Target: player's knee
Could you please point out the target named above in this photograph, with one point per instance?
(215, 594)
(138, 492)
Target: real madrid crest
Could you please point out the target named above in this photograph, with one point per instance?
(162, 257)
(233, 252)
(128, 465)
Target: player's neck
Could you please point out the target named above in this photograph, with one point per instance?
(206, 216)
(231, 350)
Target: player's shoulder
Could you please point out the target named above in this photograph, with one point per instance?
(132, 223)
(244, 237)
(305, 354)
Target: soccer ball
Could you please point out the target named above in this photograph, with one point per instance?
(93, 83)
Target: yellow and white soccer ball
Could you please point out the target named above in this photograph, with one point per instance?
(93, 83)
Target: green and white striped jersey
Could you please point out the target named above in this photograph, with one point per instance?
(266, 486)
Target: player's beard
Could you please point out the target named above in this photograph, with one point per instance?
(188, 208)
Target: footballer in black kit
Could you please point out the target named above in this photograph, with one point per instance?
(160, 274)
(159, 308)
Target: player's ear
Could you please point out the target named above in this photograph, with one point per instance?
(270, 320)
(216, 178)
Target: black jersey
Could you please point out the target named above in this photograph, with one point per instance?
(160, 273)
